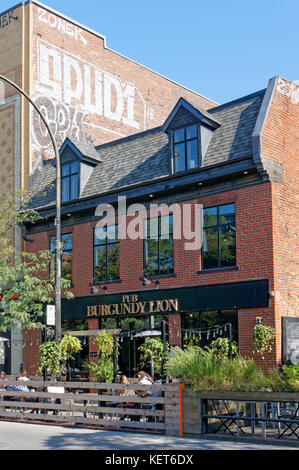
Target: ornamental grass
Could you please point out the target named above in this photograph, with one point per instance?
(203, 370)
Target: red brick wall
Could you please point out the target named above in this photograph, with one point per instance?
(174, 329)
(154, 95)
(280, 144)
(254, 244)
(33, 340)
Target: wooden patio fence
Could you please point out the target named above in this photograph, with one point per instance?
(95, 404)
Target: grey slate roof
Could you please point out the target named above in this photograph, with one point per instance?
(132, 160)
(87, 150)
(233, 139)
(144, 157)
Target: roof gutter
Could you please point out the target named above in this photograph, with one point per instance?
(211, 173)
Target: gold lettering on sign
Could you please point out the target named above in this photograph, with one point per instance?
(92, 311)
(131, 306)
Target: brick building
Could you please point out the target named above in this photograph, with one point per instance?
(87, 92)
(238, 162)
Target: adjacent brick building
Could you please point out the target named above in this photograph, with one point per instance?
(239, 162)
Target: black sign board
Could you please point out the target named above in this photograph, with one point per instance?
(250, 294)
(291, 340)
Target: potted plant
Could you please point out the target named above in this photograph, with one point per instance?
(153, 355)
(263, 339)
(70, 345)
(103, 369)
(52, 358)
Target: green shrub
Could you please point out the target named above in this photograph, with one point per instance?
(263, 339)
(203, 370)
(103, 369)
(291, 376)
(152, 354)
(52, 358)
(220, 347)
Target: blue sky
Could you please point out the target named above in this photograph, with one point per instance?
(223, 49)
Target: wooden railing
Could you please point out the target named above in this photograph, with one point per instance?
(95, 404)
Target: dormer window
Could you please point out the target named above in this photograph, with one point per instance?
(189, 132)
(70, 181)
(77, 163)
(185, 148)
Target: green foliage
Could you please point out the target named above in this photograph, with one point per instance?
(52, 357)
(25, 284)
(104, 368)
(190, 341)
(220, 347)
(263, 339)
(209, 319)
(70, 345)
(105, 344)
(203, 371)
(291, 376)
(152, 350)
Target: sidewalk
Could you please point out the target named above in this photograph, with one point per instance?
(23, 436)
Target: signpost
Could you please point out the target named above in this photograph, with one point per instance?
(50, 315)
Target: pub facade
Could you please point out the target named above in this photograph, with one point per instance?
(178, 231)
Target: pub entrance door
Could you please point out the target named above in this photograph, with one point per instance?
(132, 336)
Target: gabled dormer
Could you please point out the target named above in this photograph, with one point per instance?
(77, 163)
(190, 130)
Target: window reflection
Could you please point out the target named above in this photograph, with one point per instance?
(185, 148)
(219, 237)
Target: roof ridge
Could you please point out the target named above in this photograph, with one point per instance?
(128, 138)
(238, 100)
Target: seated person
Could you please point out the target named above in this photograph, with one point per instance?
(23, 377)
(144, 379)
(3, 379)
(3, 385)
(126, 393)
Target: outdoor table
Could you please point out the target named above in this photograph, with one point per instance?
(228, 419)
(290, 420)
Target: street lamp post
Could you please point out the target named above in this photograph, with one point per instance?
(58, 213)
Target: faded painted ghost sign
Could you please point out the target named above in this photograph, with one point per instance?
(61, 25)
(78, 98)
(7, 18)
(291, 90)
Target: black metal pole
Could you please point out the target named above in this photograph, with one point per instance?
(45, 369)
(230, 338)
(163, 328)
(115, 357)
(58, 212)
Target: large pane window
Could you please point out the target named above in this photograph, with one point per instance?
(66, 257)
(185, 148)
(204, 323)
(70, 181)
(158, 246)
(106, 253)
(219, 237)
